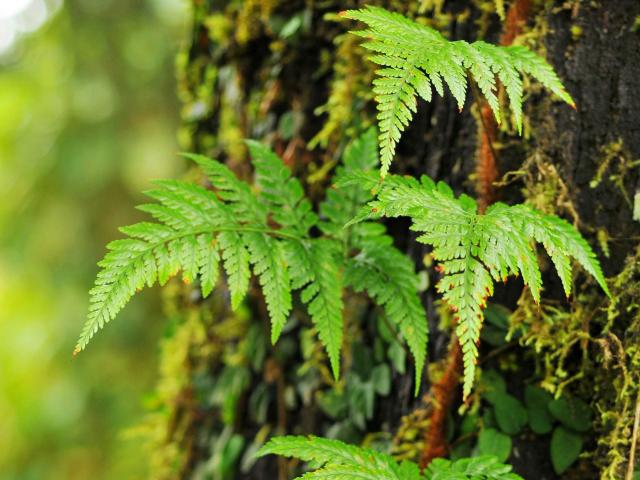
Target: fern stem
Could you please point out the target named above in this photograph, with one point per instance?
(441, 397)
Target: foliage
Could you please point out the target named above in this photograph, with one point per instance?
(198, 229)
(416, 59)
(335, 459)
(475, 250)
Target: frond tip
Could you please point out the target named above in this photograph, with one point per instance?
(414, 60)
(475, 250)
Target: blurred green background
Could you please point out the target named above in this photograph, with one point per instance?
(88, 115)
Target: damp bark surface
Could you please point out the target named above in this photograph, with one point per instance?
(250, 71)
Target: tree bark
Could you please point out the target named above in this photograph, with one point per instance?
(251, 71)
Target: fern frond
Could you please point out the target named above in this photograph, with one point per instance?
(333, 454)
(316, 267)
(415, 59)
(268, 231)
(336, 460)
(269, 265)
(196, 227)
(379, 268)
(389, 278)
(477, 468)
(360, 159)
(282, 192)
(474, 250)
(153, 254)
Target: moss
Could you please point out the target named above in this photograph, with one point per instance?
(592, 348)
(350, 91)
(615, 166)
(618, 376)
(408, 441)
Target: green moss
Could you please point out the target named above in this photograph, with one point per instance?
(588, 346)
(615, 165)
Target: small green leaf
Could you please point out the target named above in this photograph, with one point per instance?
(398, 357)
(497, 315)
(287, 125)
(492, 442)
(469, 423)
(462, 449)
(537, 401)
(489, 418)
(573, 413)
(495, 337)
(511, 416)
(565, 448)
(493, 383)
(333, 403)
(381, 378)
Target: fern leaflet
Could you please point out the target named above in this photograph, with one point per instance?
(416, 59)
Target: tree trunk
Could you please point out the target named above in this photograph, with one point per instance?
(265, 69)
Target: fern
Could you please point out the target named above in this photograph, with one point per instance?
(337, 460)
(377, 268)
(416, 59)
(388, 277)
(269, 231)
(475, 250)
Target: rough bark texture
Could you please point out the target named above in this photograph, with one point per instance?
(244, 75)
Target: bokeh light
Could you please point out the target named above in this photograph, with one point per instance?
(88, 115)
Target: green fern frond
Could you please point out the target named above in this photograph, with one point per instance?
(269, 265)
(385, 273)
(477, 468)
(360, 158)
(333, 459)
(336, 457)
(416, 59)
(267, 230)
(475, 250)
(389, 278)
(282, 192)
(196, 228)
(316, 267)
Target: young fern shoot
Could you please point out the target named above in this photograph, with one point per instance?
(197, 230)
(338, 460)
(475, 250)
(416, 59)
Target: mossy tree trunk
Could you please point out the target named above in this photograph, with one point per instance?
(286, 72)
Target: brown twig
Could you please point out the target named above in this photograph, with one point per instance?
(441, 398)
(487, 164)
